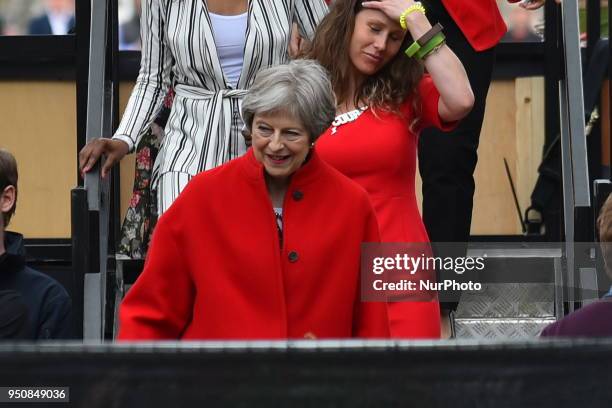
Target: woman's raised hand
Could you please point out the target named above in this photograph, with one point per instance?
(113, 149)
(392, 8)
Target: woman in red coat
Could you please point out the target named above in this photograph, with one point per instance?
(384, 101)
(266, 246)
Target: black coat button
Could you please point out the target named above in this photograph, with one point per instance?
(298, 195)
(293, 256)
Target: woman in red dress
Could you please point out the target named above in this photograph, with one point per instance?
(384, 99)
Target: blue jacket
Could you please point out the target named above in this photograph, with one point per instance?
(41, 26)
(48, 303)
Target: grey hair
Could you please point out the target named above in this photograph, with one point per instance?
(300, 88)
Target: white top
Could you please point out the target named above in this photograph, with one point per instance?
(278, 212)
(59, 22)
(230, 37)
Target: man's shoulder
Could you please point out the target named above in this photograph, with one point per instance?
(594, 319)
(43, 286)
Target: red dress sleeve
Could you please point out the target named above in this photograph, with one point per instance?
(430, 115)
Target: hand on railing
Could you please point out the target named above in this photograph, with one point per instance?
(113, 149)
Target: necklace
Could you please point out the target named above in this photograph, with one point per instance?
(347, 117)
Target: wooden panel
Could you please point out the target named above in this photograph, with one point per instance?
(530, 137)
(513, 129)
(45, 149)
(494, 211)
(39, 128)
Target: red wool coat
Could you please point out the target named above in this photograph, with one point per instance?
(215, 269)
(479, 20)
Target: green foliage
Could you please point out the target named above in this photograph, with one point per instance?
(604, 21)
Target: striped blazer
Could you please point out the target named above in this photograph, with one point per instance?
(203, 129)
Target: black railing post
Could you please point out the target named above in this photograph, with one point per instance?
(80, 253)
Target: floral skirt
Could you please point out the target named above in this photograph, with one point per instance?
(141, 215)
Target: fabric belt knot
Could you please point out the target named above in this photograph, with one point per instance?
(222, 115)
(195, 92)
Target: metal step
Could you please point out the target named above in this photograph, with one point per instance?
(521, 294)
(505, 311)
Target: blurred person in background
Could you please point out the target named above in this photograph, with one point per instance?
(268, 245)
(48, 304)
(129, 31)
(595, 319)
(16, 14)
(520, 26)
(57, 19)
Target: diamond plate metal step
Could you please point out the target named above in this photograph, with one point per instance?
(508, 300)
(505, 311)
(519, 296)
(495, 329)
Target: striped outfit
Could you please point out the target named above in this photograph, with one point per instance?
(203, 129)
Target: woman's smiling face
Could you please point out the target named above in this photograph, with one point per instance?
(280, 143)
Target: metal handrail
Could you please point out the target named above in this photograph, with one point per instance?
(576, 189)
(98, 124)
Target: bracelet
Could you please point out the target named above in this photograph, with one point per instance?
(415, 7)
(435, 49)
(425, 38)
(428, 41)
(413, 49)
(437, 40)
